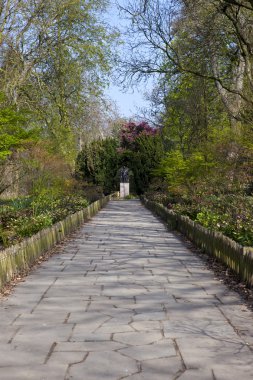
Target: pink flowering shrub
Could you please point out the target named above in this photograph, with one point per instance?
(131, 131)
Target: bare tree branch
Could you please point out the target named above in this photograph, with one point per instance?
(169, 34)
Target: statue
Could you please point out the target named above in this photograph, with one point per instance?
(124, 174)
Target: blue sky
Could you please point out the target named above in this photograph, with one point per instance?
(128, 101)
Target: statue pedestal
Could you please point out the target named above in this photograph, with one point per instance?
(124, 189)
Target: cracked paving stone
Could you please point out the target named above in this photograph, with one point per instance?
(110, 328)
(206, 351)
(89, 336)
(88, 346)
(103, 365)
(32, 372)
(146, 325)
(198, 374)
(223, 372)
(18, 355)
(40, 318)
(150, 316)
(198, 328)
(86, 322)
(124, 299)
(162, 349)
(66, 357)
(161, 369)
(138, 338)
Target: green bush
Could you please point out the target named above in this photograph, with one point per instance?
(6, 236)
(25, 226)
(17, 222)
(61, 208)
(229, 214)
(131, 196)
(143, 160)
(97, 163)
(140, 148)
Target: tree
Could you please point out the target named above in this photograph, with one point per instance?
(15, 136)
(13, 131)
(56, 56)
(141, 149)
(131, 131)
(98, 163)
(191, 111)
(55, 60)
(210, 40)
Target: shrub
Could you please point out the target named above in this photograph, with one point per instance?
(29, 226)
(229, 214)
(40, 213)
(132, 131)
(98, 164)
(143, 159)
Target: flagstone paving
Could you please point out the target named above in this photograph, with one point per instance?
(124, 299)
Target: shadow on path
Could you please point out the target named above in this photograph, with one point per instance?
(124, 299)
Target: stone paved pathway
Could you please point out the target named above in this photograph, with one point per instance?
(124, 299)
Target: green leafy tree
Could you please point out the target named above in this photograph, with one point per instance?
(98, 163)
(184, 174)
(55, 58)
(192, 113)
(141, 150)
(205, 151)
(211, 39)
(15, 137)
(14, 132)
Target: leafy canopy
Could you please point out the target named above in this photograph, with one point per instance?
(13, 129)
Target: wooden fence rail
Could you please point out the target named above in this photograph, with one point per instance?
(234, 255)
(19, 257)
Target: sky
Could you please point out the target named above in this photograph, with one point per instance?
(127, 101)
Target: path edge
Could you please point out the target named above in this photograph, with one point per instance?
(226, 250)
(19, 257)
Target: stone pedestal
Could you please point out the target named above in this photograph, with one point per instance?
(124, 189)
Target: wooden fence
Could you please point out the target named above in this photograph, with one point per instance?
(234, 255)
(20, 257)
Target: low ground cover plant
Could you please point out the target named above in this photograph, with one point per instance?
(23, 217)
(230, 214)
